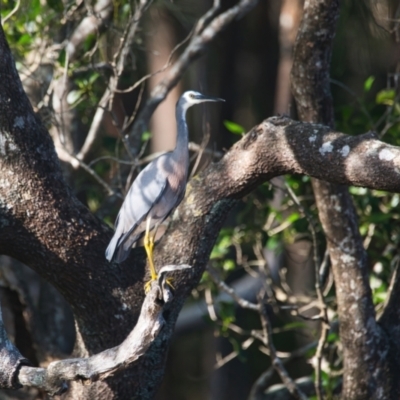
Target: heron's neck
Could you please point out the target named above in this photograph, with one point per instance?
(182, 138)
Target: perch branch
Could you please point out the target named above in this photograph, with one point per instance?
(54, 378)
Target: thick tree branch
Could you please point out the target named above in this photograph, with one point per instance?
(54, 378)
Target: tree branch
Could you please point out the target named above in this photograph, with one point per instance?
(361, 338)
(94, 23)
(119, 64)
(276, 361)
(54, 378)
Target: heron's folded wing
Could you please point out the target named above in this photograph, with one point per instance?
(145, 191)
(135, 209)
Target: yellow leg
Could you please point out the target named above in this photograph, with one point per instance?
(149, 246)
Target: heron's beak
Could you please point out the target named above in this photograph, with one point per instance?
(208, 98)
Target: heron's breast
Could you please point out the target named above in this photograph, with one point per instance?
(177, 175)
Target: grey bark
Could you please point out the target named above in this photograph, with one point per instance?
(10, 361)
(55, 377)
(365, 345)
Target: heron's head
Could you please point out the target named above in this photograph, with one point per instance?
(192, 97)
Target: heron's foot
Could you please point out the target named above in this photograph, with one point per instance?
(147, 285)
(169, 282)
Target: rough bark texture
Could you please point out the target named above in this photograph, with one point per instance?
(55, 377)
(365, 346)
(10, 360)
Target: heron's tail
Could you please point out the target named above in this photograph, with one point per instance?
(111, 248)
(119, 248)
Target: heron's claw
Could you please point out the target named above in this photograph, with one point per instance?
(147, 285)
(169, 282)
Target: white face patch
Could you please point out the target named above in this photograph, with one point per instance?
(326, 148)
(386, 155)
(188, 97)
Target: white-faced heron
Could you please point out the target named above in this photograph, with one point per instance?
(156, 192)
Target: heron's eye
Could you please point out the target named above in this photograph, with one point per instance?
(192, 96)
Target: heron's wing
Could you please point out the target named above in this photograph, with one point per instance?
(134, 231)
(145, 191)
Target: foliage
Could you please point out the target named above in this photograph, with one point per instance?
(260, 224)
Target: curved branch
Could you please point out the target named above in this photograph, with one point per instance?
(54, 378)
(281, 146)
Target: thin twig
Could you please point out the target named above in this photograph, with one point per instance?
(162, 69)
(276, 361)
(119, 64)
(323, 316)
(12, 12)
(200, 153)
(109, 189)
(227, 289)
(195, 49)
(262, 382)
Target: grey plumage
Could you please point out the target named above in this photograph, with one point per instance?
(157, 190)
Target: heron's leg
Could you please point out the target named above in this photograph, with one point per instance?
(149, 240)
(149, 246)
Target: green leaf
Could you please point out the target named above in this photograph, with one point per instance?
(234, 127)
(360, 191)
(379, 297)
(293, 217)
(368, 83)
(227, 314)
(25, 39)
(332, 337)
(274, 243)
(93, 77)
(89, 42)
(228, 265)
(294, 325)
(146, 135)
(74, 96)
(61, 57)
(386, 97)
